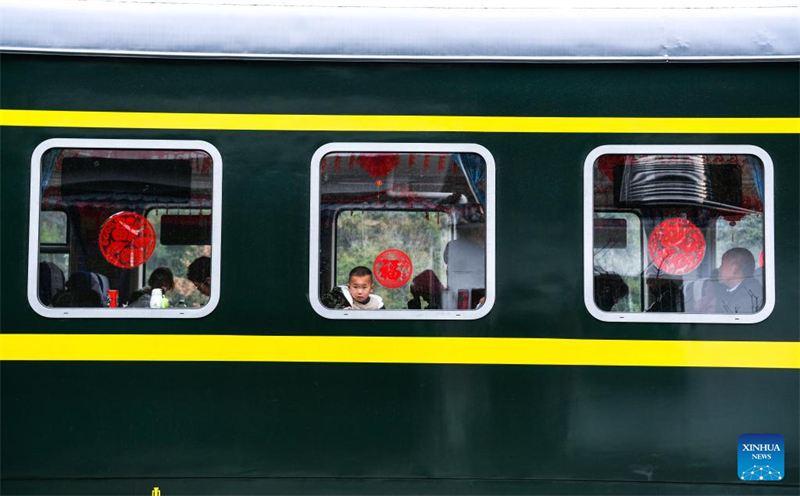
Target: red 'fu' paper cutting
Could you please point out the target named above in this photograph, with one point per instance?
(677, 246)
(392, 268)
(127, 240)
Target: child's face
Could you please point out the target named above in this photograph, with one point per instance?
(360, 287)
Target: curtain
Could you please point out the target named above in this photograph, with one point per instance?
(474, 169)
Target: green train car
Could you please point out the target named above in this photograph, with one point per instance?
(255, 249)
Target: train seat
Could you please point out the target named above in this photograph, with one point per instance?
(51, 281)
(85, 280)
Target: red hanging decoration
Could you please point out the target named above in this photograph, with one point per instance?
(732, 217)
(677, 246)
(127, 240)
(392, 268)
(761, 259)
(378, 165)
(606, 163)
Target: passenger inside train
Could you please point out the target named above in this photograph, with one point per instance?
(426, 287)
(356, 294)
(733, 287)
(161, 279)
(199, 273)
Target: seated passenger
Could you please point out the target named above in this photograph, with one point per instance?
(160, 278)
(426, 286)
(356, 294)
(608, 290)
(740, 292)
(735, 289)
(199, 272)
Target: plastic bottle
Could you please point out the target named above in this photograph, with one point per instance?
(164, 301)
(155, 298)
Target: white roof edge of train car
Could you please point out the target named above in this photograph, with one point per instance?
(572, 31)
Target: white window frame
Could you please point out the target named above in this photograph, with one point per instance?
(669, 317)
(401, 314)
(127, 313)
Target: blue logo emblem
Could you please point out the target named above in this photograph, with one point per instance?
(761, 457)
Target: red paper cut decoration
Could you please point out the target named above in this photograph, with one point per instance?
(677, 246)
(392, 268)
(127, 240)
(378, 165)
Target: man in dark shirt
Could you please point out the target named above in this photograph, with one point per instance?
(738, 290)
(731, 289)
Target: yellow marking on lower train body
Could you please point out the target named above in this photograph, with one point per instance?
(416, 350)
(399, 123)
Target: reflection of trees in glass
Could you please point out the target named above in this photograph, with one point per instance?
(53, 227)
(625, 262)
(363, 235)
(177, 258)
(53, 231)
(746, 233)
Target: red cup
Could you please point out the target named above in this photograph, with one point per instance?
(463, 299)
(113, 298)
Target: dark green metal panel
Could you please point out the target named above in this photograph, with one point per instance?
(262, 420)
(315, 420)
(646, 90)
(311, 486)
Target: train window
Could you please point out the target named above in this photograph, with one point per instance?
(679, 234)
(126, 228)
(404, 230)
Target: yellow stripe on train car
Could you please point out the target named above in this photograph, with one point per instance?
(410, 350)
(399, 123)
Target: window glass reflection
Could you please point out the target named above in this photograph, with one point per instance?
(679, 233)
(409, 226)
(121, 228)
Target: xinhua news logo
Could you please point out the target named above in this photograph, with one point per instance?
(761, 457)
